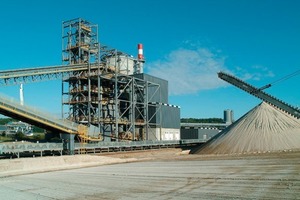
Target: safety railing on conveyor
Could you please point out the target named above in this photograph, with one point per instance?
(257, 92)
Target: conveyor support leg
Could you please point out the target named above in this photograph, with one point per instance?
(68, 143)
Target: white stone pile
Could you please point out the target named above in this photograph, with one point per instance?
(263, 129)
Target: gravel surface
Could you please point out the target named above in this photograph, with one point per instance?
(12, 167)
(166, 174)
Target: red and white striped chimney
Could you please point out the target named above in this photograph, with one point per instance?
(140, 52)
(139, 67)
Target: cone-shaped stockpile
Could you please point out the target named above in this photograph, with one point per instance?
(264, 128)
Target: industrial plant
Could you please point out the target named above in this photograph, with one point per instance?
(110, 104)
(113, 94)
(86, 112)
(106, 97)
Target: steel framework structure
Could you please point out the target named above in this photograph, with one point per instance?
(104, 95)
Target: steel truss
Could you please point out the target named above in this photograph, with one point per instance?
(107, 96)
(15, 77)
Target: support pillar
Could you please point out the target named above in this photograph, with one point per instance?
(107, 131)
(68, 143)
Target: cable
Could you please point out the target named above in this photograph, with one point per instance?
(286, 77)
(280, 80)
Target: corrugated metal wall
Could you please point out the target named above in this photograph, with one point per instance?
(159, 96)
(189, 134)
(198, 133)
(167, 116)
(207, 133)
(154, 117)
(170, 116)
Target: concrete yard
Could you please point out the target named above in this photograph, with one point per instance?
(162, 174)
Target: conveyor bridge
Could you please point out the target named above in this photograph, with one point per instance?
(17, 76)
(11, 108)
(257, 92)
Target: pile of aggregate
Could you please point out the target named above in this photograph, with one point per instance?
(263, 129)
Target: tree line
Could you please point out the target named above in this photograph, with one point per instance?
(201, 120)
(4, 121)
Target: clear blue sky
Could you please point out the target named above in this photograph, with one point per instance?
(185, 41)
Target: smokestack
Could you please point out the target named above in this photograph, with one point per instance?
(21, 95)
(140, 61)
(140, 52)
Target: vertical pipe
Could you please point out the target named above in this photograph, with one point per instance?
(146, 109)
(127, 65)
(62, 81)
(116, 99)
(21, 95)
(89, 89)
(160, 113)
(69, 44)
(62, 99)
(99, 91)
(79, 41)
(133, 105)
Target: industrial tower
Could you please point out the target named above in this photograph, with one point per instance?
(113, 95)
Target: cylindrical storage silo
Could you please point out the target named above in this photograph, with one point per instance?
(228, 116)
(124, 64)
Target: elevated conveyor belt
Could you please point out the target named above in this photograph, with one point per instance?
(257, 92)
(11, 108)
(17, 76)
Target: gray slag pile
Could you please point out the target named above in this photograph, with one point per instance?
(264, 128)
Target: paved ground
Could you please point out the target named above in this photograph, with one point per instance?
(166, 175)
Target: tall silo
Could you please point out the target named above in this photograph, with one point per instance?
(228, 116)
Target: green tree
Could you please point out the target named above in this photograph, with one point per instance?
(19, 136)
(38, 137)
(205, 120)
(4, 121)
(38, 130)
(3, 134)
